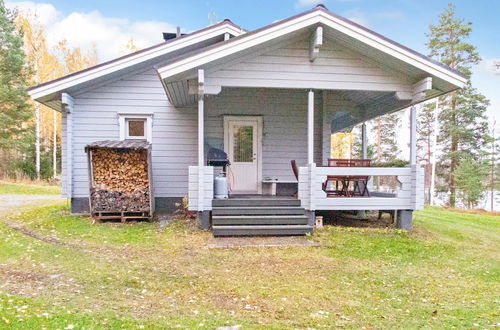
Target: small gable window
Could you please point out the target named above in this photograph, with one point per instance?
(136, 129)
(136, 126)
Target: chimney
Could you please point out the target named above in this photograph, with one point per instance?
(171, 35)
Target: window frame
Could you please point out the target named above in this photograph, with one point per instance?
(124, 118)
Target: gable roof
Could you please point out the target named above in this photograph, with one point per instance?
(102, 70)
(316, 16)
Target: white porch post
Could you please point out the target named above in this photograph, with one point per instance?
(364, 145)
(68, 104)
(310, 153)
(413, 136)
(201, 133)
(310, 127)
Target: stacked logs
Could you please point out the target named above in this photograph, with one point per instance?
(120, 181)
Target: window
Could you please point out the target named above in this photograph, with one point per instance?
(135, 126)
(136, 129)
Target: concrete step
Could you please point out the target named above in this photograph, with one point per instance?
(260, 210)
(259, 220)
(276, 230)
(233, 202)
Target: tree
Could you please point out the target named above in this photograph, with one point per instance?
(470, 177)
(386, 145)
(460, 109)
(129, 47)
(48, 63)
(425, 134)
(463, 133)
(45, 67)
(357, 151)
(14, 74)
(74, 59)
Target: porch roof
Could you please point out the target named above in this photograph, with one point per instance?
(181, 72)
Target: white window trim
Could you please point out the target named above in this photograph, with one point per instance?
(122, 120)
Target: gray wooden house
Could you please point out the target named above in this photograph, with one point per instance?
(266, 97)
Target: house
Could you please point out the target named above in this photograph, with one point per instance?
(266, 97)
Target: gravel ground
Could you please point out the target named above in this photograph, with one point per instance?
(13, 202)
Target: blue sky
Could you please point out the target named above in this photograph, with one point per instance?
(109, 23)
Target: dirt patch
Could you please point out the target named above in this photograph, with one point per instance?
(31, 283)
(32, 234)
(271, 241)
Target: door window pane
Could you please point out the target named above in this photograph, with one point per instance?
(243, 144)
(136, 128)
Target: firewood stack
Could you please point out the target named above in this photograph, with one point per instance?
(120, 180)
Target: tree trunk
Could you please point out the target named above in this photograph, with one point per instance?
(454, 149)
(54, 147)
(37, 140)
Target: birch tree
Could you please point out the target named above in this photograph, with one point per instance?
(45, 67)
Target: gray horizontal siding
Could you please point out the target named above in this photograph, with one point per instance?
(289, 67)
(174, 130)
(284, 115)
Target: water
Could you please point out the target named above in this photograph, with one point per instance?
(485, 203)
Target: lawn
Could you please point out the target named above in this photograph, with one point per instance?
(10, 188)
(62, 271)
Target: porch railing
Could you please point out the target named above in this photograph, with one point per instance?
(410, 195)
(207, 188)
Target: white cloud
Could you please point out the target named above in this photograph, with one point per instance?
(85, 29)
(46, 13)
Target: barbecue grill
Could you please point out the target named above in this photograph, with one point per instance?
(217, 157)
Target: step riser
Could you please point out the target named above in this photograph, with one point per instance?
(258, 221)
(254, 203)
(257, 231)
(253, 212)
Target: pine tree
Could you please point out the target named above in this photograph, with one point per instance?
(386, 146)
(460, 109)
(425, 135)
(470, 176)
(14, 75)
(357, 151)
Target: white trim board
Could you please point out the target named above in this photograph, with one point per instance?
(313, 18)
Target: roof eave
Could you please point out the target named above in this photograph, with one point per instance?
(73, 79)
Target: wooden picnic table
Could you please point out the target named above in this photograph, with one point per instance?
(339, 185)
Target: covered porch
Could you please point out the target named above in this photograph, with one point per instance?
(303, 136)
(277, 95)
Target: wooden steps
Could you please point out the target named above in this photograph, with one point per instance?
(259, 217)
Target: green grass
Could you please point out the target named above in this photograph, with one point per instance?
(10, 188)
(61, 270)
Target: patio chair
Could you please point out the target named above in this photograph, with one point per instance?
(295, 169)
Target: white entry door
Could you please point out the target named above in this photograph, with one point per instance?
(242, 142)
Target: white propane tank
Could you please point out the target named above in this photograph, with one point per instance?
(221, 187)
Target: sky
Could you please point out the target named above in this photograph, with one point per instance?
(108, 24)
